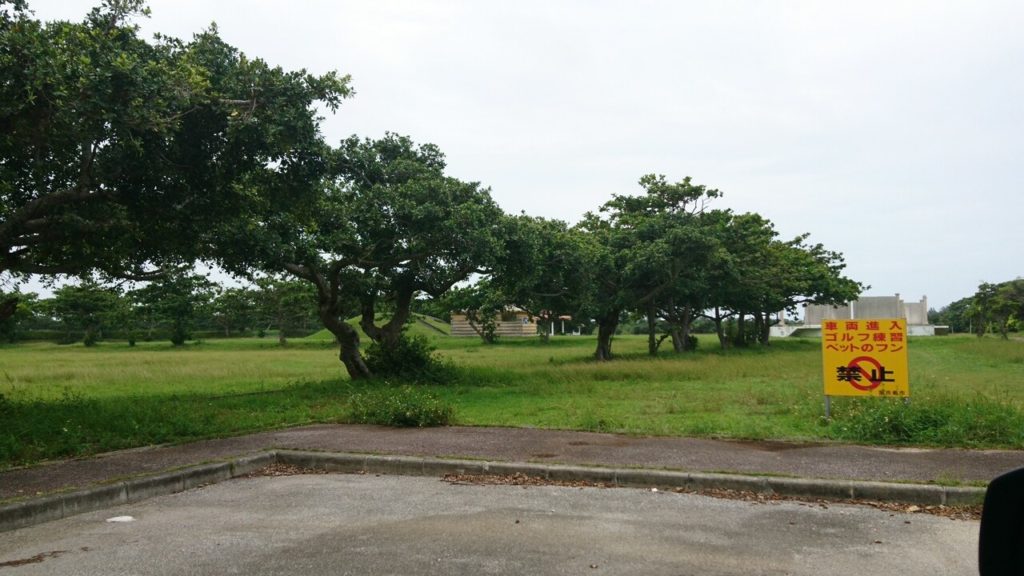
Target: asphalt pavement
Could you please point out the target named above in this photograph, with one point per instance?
(382, 524)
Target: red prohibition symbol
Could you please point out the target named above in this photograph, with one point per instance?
(877, 373)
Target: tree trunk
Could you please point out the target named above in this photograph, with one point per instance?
(652, 329)
(764, 336)
(681, 331)
(350, 356)
(722, 340)
(678, 340)
(388, 334)
(91, 335)
(178, 333)
(348, 343)
(368, 320)
(8, 307)
(606, 326)
(741, 330)
(332, 317)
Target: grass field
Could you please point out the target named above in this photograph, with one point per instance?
(62, 401)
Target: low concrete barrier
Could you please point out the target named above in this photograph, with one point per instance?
(54, 507)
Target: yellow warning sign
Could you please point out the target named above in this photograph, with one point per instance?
(865, 357)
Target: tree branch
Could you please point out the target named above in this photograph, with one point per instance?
(38, 207)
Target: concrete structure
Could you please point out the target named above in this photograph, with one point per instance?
(513, 322)
(916, 314)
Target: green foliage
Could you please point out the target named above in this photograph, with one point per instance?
(544, 271)
(757, 274)
(87, 308)
(287, 305)
(410, 359)
(234, 310)
(120, 153)
(432, 309)
(692, 342)
(174, 300)
(390, 226)
(26, 314)
(951, 422)
(404, 406)
(956, 315)
(482, 304)
(997, 307)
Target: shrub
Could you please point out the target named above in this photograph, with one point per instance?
(691, 343)
(411, 359)
(400, 406)
(949, 422)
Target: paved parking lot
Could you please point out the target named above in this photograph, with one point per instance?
(365, 524)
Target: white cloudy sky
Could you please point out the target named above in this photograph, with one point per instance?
(891, 131)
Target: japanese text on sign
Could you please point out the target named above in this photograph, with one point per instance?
(865, 357)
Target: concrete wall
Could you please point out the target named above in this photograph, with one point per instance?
(916, 313)
(878, 307)
(814, 314)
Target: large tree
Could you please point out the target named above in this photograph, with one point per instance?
(389, 226)
(997, 306)
(29, 311)
(606, 298)
(174, 300)
(119, 155)
(542, 270)
(648, 253)
(87, 308)
(756, 275)
(670, 252)
(286, 304)
(234, 309)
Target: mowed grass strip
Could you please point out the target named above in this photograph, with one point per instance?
(62, 401)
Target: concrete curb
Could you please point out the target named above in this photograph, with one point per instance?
(922, 494)
(54, 507)
(37, 510)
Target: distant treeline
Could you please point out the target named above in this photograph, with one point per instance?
(993, 309)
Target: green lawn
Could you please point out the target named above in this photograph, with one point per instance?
(70, 400)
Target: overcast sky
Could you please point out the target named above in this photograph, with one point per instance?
(890, 131)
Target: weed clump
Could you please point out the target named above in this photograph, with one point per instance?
(403, 406)
(411, 359)
(973, 423)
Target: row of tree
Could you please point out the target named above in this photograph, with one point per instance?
(663, 256)
(126, 159)
(993, 308)
(172, 306)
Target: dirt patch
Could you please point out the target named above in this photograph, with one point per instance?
(283, 470)
(773, 446)
(518, 479)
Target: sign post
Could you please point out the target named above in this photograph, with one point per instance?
(865, 358)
